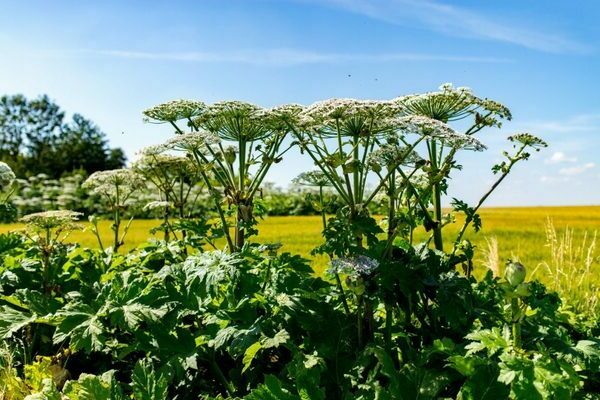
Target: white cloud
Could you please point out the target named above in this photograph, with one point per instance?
(577, 169)
(553, 179)
(458, 21)
(559, 157)
(283, 57)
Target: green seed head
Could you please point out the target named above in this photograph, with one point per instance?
(230, 155)
(515, 273)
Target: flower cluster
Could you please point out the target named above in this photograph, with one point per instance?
(429, 127)
(153, 205)
(312, 178)
(175, 110)
(392, 155)
(47, 220)
(234, 121)
(529, 140)
(193, 141)
(161, 163)
(351, 116)
(450, 104)
(117, 184)
(357, 266)
(7, 176)
(280, 118)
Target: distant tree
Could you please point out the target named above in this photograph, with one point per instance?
(116, 158)
(34, 138)
(81, 145)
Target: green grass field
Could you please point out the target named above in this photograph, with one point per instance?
(520, 232)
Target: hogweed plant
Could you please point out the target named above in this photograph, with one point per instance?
(174, 177)
(233, 173)
(48, 230)
(448, 105)
(115, 187)
(7, 188)
(338, 135)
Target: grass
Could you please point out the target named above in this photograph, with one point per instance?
(520, 233)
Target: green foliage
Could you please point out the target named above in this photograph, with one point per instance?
(173, 319)
(35, 138)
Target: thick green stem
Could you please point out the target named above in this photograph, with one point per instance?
(388, 328)
(437, 200)
(359, 322)
(516, 322)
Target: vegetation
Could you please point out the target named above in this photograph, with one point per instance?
(212, 311)
(35, 139)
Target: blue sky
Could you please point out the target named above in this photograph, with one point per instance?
(110, 60)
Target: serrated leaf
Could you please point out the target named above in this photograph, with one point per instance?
(147, 384)
(80, 325)
(272, 389)
(13, 320)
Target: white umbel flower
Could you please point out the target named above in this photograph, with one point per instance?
(312, 178)
(357, 266)
(193, 141)
(51, 219)
(7, 176)
(435, 129)
(121, 182)
(173, 111)
(153, 205)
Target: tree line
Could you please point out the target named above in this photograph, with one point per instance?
(36, 137)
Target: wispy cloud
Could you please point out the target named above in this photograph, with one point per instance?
(458, 22)
(287, 57)
(577, 170)
(558, 157)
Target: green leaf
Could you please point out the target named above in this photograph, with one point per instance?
(81, 326)
(280, 338)
(48, 392)
(13, 320)
(483, 385)
(272, 389)
(88, 387)
(147, 384)
(491, 340)
(250, 353)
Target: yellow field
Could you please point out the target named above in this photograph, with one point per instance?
(520, 231)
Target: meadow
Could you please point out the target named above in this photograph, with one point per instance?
(519, 233)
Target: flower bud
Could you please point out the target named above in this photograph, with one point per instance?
(230, 155)
(515, 273)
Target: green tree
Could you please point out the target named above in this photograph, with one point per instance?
(35, 138)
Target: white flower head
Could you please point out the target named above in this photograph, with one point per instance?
(450, 104)
(312, 178)
(358, 266)
(235, 120)
(116, 184)
(432, 128)
(175, 110)
(280, 118)
(7, 176)
(529, 140)
(51, 219)
(153, 205)
(192, 142)
(392, 155)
